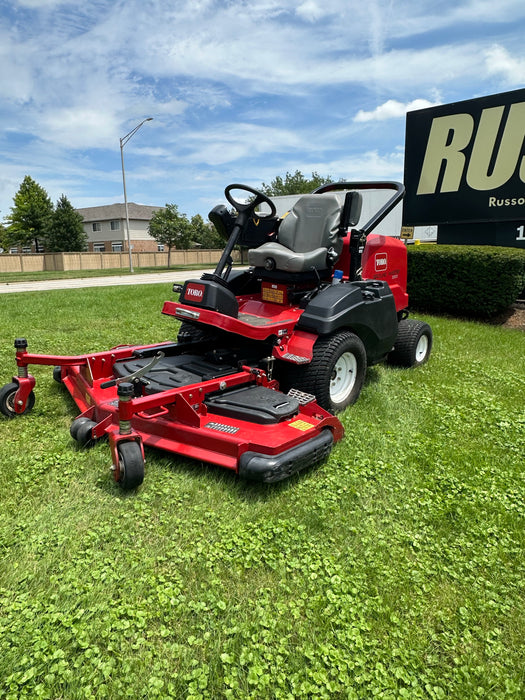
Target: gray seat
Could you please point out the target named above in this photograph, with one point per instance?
(309, 236)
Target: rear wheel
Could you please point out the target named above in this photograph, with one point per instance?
(7, 400)
(129, 473)
(413, 344)
(336, 374)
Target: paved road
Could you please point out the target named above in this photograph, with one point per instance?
(113, 281)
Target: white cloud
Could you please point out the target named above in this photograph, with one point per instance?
(40, 4)
(80, 127)
(227, 143)
(500, 62)
(419, 17)
(310, 11)
(369, 165)
(392, 109)
(487, 11)
(16, 76)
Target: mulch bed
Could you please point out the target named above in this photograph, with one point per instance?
(512, 318)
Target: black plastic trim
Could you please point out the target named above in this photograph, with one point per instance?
(214, 294)
(269, 469)
(306, 277)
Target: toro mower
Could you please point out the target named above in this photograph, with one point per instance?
(264, 356)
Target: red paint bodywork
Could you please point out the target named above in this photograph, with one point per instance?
(176, 420)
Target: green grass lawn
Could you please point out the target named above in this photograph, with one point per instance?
(394, 570)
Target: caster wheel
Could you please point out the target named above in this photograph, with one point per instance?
(81, 431)
(75, 425)
(129, 473)
(57, 374)
(7, 401)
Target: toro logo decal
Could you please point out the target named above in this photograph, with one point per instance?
(194, 292)
(381, 262)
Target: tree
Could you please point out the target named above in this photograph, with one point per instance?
(205, 233)
(295, 183)
(170, 228)
(66, 232)
(3, 237)
(31, 214)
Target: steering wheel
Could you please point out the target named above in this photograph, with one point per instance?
(248, 207)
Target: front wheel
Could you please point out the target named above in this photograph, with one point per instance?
(413, 344)
(129, 473)
(336, 374)
(7, 400)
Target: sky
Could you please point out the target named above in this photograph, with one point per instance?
(238, 91)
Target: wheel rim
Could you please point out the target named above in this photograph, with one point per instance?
(343, 377)
(120, 471)
(422, 348)
(10, 401)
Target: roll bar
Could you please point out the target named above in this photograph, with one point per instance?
(358, 235)
(397, 187)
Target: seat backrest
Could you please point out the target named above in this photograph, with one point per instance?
(313, 222)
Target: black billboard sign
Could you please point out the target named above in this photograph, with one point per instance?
(465, 162)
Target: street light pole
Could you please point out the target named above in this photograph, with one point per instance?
(123, 142)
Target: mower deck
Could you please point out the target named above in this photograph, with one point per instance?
(168, 397)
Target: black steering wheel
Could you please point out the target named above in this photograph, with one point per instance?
(249, 207)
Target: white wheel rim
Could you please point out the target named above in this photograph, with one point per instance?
(343, 378)
(422, 348)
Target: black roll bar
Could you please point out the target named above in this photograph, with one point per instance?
(358, 235)
(397, 187)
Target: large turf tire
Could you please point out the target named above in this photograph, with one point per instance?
(413, 344)
(7, 400)
(336, 374)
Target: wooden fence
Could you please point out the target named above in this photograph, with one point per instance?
(105, 261)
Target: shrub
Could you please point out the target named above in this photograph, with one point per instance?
(464, 280)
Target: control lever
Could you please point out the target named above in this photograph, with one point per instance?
(136, 375)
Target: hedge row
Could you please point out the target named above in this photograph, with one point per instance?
(465, 280)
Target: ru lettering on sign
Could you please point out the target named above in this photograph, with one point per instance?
(490, 165)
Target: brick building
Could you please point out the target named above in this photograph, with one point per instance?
(105, 227)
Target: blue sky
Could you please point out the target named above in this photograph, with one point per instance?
(239, 91)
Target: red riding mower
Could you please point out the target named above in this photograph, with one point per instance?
(264, 356)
